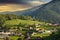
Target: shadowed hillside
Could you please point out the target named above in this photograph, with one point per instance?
(49, 12)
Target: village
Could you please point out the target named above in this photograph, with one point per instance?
(31, 30)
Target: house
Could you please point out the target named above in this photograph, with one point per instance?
(47, 31)
(33, 33)
(3, 37)
(36, 25)
(53, 24)
(41, 30)
(31, 28)
(5, 33)
(37, 29)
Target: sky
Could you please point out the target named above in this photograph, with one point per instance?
(20, 5)
(24, 1)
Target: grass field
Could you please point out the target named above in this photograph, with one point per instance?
(25, 22)
(42, 35)
(17, 21)
(13, 37)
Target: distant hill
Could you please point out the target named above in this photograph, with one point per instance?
(49, 12)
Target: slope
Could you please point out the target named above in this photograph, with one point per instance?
(50, 12)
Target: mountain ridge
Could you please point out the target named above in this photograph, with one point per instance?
(50, 12)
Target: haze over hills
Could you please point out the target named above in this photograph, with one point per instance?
(49, 12)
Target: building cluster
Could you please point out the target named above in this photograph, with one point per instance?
(31, 30)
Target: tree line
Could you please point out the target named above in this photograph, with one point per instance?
(5, 17)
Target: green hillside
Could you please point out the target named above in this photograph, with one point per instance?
(20, 26)
(18, 21)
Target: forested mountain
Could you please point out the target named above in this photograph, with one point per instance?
(50, 12)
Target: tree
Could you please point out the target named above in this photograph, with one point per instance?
(26, 17)
(19, 39)
(53, 36)
(2, 20)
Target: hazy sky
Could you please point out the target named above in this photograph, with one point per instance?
(46, 0)
(19, 1)
(19, 5)
(29, 2)
(25, 2)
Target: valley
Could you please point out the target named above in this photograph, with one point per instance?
(13, 27)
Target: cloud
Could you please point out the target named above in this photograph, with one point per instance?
(45, 1)
(9, 1)
(13, 7)
(35, 3)
(26, 2)
(18, 5)
(21, 1)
